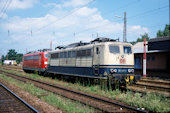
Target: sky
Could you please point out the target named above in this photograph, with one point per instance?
(29, 25)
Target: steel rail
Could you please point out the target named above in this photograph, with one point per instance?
(153, 87)
(155, 82)
(10, 68)
(21, 100)
(82, 94)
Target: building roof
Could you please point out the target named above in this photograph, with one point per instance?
(139, 48)
(164, 38)
(162, 43)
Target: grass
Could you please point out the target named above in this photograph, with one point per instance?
(150, 101)
(53, 99)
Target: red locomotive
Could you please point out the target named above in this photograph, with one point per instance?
(36, 61)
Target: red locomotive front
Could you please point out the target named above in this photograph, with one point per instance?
(35, 61)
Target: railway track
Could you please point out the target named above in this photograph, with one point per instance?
(101, 103)
(152, 85)
(142, 86)
(11, 103)
(12, 68)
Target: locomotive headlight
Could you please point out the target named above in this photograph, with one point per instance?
(130, 70)
(113, 70)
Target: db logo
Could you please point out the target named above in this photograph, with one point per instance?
(122, 61)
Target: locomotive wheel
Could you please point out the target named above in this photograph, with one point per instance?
(45, 73)
(26, 71)
(103, 84)
(113, 83)
(39, 73)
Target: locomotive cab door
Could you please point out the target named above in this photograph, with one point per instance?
(96, 60)
(39, 61)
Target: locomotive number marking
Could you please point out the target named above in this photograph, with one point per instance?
(122, 61)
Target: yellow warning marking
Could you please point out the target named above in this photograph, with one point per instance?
(105, 73)
(131, 77)
(127, 80)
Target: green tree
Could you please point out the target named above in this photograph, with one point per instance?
(165, 32)
(11, 55)
(142, 38)
(160, 33)
(19, 58)
(2, 59)
(133, 42)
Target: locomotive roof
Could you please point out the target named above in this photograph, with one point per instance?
(36, 53)
(90, 46)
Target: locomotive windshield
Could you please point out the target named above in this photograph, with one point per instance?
(127, 50)
(46, 55)
(114, 49)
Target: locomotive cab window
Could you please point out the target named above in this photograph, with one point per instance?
(69, 54)
(79, 53)
(73, 54)
(88, 52)
(83, 53)
(114, 49)
(65, 54)
(46, 55)
(97, 50)
(61, 55)
(127, 49)
(35, 57)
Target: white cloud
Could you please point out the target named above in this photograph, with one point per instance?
(137, 29)
(19, 4)
(3, 16)
(53, 5)
(75, 3)
(97, 17)
(13, 5)
(54, 26)
(85, 11)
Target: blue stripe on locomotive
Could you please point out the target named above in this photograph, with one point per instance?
(71, 70)
(86, 71)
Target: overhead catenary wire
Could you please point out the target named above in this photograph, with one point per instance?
(149, 11)
(153, 10)
(137, 15)
(140, 14)
(128, 4)
(65, 16)
(60, 18)
(4, 9)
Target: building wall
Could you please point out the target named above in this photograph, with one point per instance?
(156, 61)
(157, 64)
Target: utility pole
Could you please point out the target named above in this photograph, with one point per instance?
(144, 59)
(31, 33)
(51, 45)
(8, 32)
(74, 35)
(124, 28)
(53, 33)
(7, 56)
